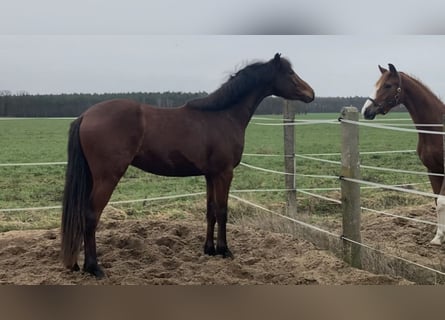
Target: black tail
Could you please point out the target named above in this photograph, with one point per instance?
(78, 185)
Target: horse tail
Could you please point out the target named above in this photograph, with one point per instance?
(76, 197)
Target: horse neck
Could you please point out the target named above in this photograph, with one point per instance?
(243, 111)
(423, 106)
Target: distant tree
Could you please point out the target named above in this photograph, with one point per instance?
(22, 104)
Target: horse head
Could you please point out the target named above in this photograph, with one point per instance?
(287, 84)
(387, 94)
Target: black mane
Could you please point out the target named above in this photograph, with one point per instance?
(238, 85)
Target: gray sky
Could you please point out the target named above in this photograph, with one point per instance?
(57, 46)
(221, 17)
(333, 65)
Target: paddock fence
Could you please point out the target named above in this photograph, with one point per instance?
(346, 244)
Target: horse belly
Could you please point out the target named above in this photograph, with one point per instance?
(174, 164)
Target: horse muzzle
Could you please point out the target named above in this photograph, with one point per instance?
(308, 96)
(307, 99)
(369, 114)
(372, 108)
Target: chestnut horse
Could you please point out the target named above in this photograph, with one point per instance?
(203, 137)
(394, 88)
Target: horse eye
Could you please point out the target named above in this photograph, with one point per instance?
(387, 86)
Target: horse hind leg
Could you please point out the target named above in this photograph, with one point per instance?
(100, 196)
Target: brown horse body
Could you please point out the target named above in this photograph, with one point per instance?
(203, 137)
(394, 88)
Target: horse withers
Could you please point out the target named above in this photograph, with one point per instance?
(394, 88)
(203, 137)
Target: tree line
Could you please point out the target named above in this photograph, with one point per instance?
(22, 104)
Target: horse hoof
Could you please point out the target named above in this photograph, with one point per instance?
(209, 250)
(75, 267)
(436, 241)
(224, 252)
(95, 270)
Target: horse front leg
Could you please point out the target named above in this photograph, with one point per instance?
(221, 185)
(209, 246)
(217, 197)
(439, 188)
(440, 210)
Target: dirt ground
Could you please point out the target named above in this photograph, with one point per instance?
(398, 237)
(404, 238)
(163, 251)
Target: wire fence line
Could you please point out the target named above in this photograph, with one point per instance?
(35, 118)
(400, 187)
(336, 235)
(373, 167)
(304, 191)
(32, 164)
(373, 184)
(297, 123)
(57, 163)
(381, 212)
(393, 256)
(393, 188)
(396, 187)
(284, 216)
(380, 126)
(158, 198)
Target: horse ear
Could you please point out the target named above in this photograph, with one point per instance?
(382, 70)
(392, 68)
(277, 57)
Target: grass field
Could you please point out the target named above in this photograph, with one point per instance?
(44, 140)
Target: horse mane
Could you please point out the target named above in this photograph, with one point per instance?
(422, 85)
(237, 86)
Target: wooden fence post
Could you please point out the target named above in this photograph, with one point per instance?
(289, 159)
(350, 191)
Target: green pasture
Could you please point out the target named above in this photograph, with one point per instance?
(44, 140)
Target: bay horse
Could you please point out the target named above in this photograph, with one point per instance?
(204, 137)
(394, 88)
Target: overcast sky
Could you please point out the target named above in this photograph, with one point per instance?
(99, 46)
(333, 65)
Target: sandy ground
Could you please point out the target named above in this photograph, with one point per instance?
(162, 251)
(404, 238)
